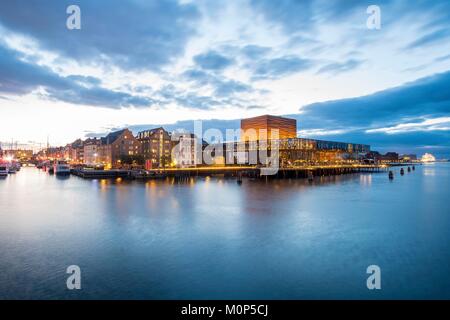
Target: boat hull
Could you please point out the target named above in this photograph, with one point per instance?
(61, 169)
(62, 173)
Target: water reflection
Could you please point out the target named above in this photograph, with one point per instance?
(212, 238)
(366, 180)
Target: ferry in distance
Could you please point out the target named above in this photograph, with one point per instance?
(428, 157)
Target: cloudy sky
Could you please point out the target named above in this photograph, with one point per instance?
(140, 63)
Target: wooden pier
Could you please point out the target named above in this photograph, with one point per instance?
(289, 173)
(100, 174)
(231, 171)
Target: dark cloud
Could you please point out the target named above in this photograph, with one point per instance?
(85, 80)
(304, 16)
(222, 87)
(213, 60)
(99, 97)
(194, 101)
(442, 58)
(170, 94)
(279, 67)
(199, 76)
(188, 125)
(422, 98)
(255, 52)
(432, 38)
(230, 87)
(132, 34)
(18, 78)
(292, 15)
(340, 67)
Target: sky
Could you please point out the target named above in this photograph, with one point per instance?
(143, 63)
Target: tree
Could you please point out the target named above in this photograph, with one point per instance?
(132, 159)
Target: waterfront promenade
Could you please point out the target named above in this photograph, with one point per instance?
(233, 171)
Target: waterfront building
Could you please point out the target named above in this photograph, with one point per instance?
(184, 152)
(375, 156)
(156, 147)
(118, 149)
(260, 128)
(408, 157)
(51, 153)
(67, 152)
(90, 151)
(295, 152)
(391, 157)
(292, 151)
(77, 154)
(18, 154)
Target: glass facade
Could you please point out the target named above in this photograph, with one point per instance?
(293, 151)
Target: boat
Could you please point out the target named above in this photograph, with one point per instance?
(3, 170)
(428, 157)
(61, 168)
(14, 167)
(310, 176)
(144, 174)
(41, 165)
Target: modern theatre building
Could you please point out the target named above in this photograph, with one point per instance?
(258, 128)
(293, 151)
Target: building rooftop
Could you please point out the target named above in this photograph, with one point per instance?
(110, 138)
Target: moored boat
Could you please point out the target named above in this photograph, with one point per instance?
(3, 170)
(61, 168)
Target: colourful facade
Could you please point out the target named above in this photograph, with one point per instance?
(266, 126)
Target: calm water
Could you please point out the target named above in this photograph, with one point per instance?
(214, 239)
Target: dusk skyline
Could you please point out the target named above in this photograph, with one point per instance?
(171, 62)
(224, 159)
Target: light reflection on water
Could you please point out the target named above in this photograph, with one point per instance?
(212, 238)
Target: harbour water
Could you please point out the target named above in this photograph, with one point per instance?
(211, 238)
